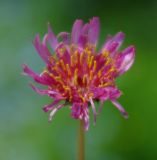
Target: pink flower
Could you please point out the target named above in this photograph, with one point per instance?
(76, 73)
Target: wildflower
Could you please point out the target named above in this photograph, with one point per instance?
(76, 73)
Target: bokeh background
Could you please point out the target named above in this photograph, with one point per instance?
(25, 133)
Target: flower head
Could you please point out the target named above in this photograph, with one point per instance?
(76, 73)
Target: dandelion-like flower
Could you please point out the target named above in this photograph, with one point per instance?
(76, 74)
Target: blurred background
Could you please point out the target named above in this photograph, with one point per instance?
(24, 130)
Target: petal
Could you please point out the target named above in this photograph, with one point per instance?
(44, 45)
(37, 90)
(85, 29)
(113, 43)
(86, 118)
(100, 107)
(113, 92)
(106, 93)
(125, 60)
(52, 113)
(107, 42)
(43, 92)
(77, 111)
(52, 38)
(63, 52)
(119, 38)
(76, 30)
(36, 77)
(65, 37)
(94, 110)
(42, 49)
(53, 94)
(83, 40)
(48, 107)
(120, 108)
(86, 123)
(93, 33)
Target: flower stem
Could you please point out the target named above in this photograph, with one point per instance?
(81, 149)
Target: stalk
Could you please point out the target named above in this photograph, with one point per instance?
(81, 143)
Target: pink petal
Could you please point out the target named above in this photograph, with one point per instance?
(48, 107)
(106, 93)
(119, 38)
(36, 77)
(83, 40)
(77, 110)
(114, 93)
(100, 107)
(125, 60)
(76, 31)
(120, 108)
(52, 113)
(86, 123)
(113, 43)
(53, 94)
(86, 118)
(42, 49)
(85, 29)
(37, 90)
(65, 37)
(52, 38)
(43, 92)
(94, 110)
(94, 30)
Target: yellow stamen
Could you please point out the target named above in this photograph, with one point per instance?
(110, 70)
(76, 76)
(85, 79)
(62, 64)
(57, 78)
(71, 60)
(68, 69)
(105, 54)
(88, 52)
(51, 75)
(91, 61)
(51, 59)
(108, 61)
(56, 69)
(83, 99)
(76, 54)
(94, 67)
(99, 73)
(68, 89)
(81, 57)
(57, 63)
(45, 71)
(90, 95)
(105, 84)
(91, 75)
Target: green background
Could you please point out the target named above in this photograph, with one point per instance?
(25, 133)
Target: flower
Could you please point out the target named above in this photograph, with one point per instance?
(76, 73)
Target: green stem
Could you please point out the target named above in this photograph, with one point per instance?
(81, 148)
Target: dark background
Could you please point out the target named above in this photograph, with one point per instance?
(25, 133)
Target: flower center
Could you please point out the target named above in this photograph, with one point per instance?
(75, 73)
